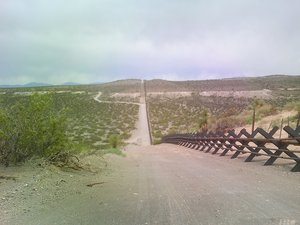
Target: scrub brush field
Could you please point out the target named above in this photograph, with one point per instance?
(90, 124)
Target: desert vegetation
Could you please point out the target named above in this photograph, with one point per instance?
(191, 113)
(198, 113)
(32, 128)
(58, 123)
(92, 123)
(283, 85)
(191, 106)
(174, 107)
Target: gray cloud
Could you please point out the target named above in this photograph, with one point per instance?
(91, 40)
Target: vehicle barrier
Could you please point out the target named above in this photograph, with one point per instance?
(257, 143)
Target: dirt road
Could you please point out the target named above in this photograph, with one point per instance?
(96, 98)
(140, 136)
(171, 185)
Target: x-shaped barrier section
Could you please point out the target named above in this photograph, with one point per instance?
(257, 143)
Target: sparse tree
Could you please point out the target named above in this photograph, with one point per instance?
(114, 141)
(203, 121)
(255, 103)
(30, 129)
(298, 114)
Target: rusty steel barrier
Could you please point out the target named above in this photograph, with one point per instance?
(257, 143)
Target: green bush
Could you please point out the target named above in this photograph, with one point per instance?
(203, 120)
(114, 140)
(265, 110)
(157, 141)
(32, 128)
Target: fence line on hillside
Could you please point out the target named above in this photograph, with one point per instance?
(257, 143)
(147, 110)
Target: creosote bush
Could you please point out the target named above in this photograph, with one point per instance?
(32, 128)
(114, 141)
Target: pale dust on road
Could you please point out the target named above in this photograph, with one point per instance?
(173, 185)
(96, 98)
(141, 135)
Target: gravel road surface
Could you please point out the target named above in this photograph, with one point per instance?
(169, 184)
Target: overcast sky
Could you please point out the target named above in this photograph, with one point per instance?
(85, 41)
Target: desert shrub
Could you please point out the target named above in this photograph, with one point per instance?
(158, 134)
(265, 110)
(203, 120)
(192, 113)
(157, 141)
(114, 140)
(294, 106)
(297, 117)
(32, 128)
(172, 131)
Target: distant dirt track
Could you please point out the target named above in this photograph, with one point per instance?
(96, 98)
(141, 135)
(172, 185)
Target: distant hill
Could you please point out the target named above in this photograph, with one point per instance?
(272, 82)
(70, 83)
(32, 84)
(10, 86)
(35, 84)
(128, 85)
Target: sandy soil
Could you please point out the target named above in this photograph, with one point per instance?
(262, 94)
(266, 121)
(28, 189)
(170, 94)
(163, 185)
(130, 95)
(141, 136)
